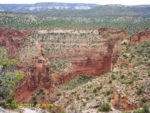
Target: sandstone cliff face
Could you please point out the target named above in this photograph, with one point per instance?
(92, 67)
(140, 37)
(37, 71)
(37, 74)
(95, 62)
(112, 33)
(101, 62)
(12, 38)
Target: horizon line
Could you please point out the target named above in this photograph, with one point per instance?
(72, 3)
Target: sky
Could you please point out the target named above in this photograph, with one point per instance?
(102, 2)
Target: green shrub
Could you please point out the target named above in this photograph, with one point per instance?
(146, 108)
(84, 91)
(108, 92)
(95, 90)
(122, 77)
(139, 91)
(9, 78)
(87, 98)
(12, 106)
(34, 103)
(84, 104)
(130, 81)
(110, 81)
(113, 77)
(143, 99)
(104, 107)
(78, 98)
(3, 104)
(100, 87)
(149, 74)
(41, 91)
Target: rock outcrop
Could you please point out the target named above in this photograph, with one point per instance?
(101, 62)
(37, 74)
(37, 77)
(12, 39)
(112, 33)
(120, 102)
(93, 62)
(89, 62)
(140, 37)
(92, 66)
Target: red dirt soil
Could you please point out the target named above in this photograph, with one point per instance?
(12, 38)
(121, 102)
(37, 72)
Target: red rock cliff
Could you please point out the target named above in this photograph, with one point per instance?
(140, 37)
(12, 38)
(37, 75)
(112, 33)
(96, 62)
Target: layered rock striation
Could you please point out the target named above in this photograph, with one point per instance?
(12, 39)
(140, 37)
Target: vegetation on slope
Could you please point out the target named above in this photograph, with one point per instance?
(130, 79)
(104, 16)
(9, 79)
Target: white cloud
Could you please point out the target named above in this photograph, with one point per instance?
(103, 2)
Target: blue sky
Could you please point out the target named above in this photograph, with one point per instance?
(103, 2)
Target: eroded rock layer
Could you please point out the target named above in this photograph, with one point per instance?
(37, 74)
(12, 38)
(140, 37)
(112, 33)
(93, 63)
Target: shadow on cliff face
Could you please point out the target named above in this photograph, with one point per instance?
(37, 76)
(37, 72)
(95, 61)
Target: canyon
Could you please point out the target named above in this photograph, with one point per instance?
(94, 62)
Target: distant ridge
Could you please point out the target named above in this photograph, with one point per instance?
(46, 6)
(117, 9)
(78, 9)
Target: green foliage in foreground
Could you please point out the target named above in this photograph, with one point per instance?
(104, 107)
(9, 79)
